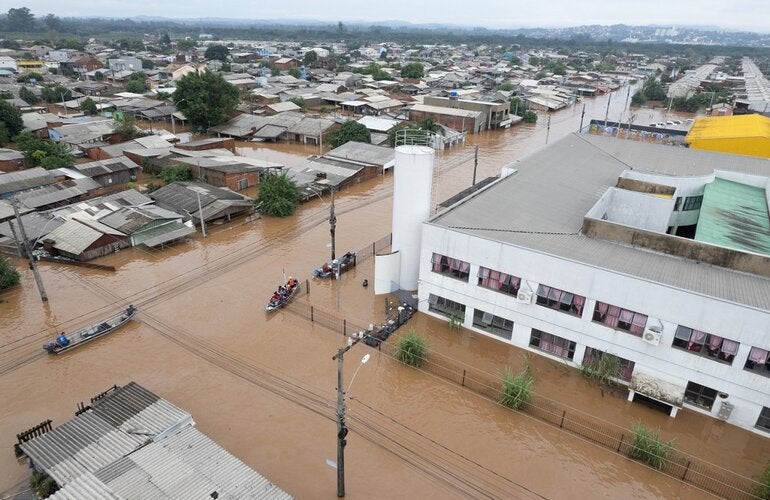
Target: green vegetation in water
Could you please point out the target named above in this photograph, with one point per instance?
(412, 348)
(516, 391)
(604, 369)
(648, 447)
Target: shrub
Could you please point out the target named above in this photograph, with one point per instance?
(648, 447)
(9, 276)
(603, 369)
(412, 348)
(516, 390)
(763, 490)
(455, 321)
(176, 173)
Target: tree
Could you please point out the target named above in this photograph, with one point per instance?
(653, 90)
(52, 22)
(125, 125)
(28, 96)
(137, 86)
(413, 70)
(40, 153)
(5, 136)
(21, 19)
(216, 51)
(165, 39)
(147, 64)
(206, 99)
(56, 93)
(9, 276)
(505, 86)
(299, 102)
(88, 106)
(184, 45)
(31, 76)
(99, 76)
(278, 195)
(350, 131)
(176, 173)
(10, 117)
(294, 72)
(310, 58)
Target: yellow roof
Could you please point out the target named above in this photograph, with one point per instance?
(729, 127)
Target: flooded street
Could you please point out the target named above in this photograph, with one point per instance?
(263, 386)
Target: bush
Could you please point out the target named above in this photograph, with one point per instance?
(278, 195)
(763, 490)
(412, 348)
(603, 369)
(455, 321)
(42, 484)
(648, 448)
(176, 173)
(517, 389)
(9, 276)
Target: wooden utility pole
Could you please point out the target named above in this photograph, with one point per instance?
(332, 225)
(28, 251)
(475, 165)
(582, 115)
(342, 430)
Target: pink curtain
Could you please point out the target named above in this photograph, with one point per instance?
(638, 323)
(484, 275)
(515, 282)
(494, 280)
(578, 302)
(627, 370)
(437, 263)
(504, 278)
(602, 308)
(715, 342)
(626, 316)
(464, 266)
(613, 312)
(730, 347)
(758, 355)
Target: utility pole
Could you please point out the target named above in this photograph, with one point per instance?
(332, 225)
(28, 251)
(475, 164)
(200, 214)
(342, 430)
(548, 128)
(607, 115)
(582, 115)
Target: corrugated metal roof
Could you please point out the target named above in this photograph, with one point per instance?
(729, 127)
(20, 180)
(542, 207)
(75, 236)
(363, 153)
(133, 444)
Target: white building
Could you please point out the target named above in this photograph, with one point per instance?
(576, 254)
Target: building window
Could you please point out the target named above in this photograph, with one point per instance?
(493, 324)
(592, 357)
(445, 306)
(763, 422)
(448, 266)
(758, 361)
(560, 300)
(552, 344)
(620, 319)
(712, 346)
(242, 184)
(692, 203)
(499, 281)
(678, 203)
(700, 395)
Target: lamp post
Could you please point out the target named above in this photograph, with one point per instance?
(342, 430)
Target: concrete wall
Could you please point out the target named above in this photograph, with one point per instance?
(665, 305)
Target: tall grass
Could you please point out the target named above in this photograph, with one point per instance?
(763, 490)
(412, 348)
(455, 321)
(604, 369)
(648, 447)
(516, 390)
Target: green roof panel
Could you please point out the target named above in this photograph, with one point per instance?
(734, 215)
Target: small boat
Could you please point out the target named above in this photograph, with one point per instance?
(77, 338)
(345, 263)
(283, 295)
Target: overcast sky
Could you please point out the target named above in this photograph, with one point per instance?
(729, 14)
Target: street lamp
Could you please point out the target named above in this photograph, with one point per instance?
(342, 430)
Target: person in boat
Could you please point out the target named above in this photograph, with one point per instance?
(292, 282)
(326, 268)
(276, 297)
(282, 291)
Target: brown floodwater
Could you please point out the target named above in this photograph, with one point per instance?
(263, 386)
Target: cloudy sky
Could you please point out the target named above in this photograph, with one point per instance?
(727, 14)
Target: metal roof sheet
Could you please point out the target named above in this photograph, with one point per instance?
(729, 127)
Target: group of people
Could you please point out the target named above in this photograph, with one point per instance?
(284, 291)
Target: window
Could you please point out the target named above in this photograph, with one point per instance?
(712, 346)
(445, 306)
(560, 300)
(700, 395)
(594, 357)
(499, 281)
(242, 184)
(493, 324)
(448, 266)
(552, 344)
(678, 203)
(758, 361)
(692, 203)
(620, 319)
(763, 422)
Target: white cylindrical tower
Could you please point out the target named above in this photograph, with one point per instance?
(412, 182)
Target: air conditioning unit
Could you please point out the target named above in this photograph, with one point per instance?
(652, 336)
(524, 296)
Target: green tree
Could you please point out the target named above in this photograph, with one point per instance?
(5, 136)
(310, 58)
(125, 126)
(278, 195)
(165, 39)
(184, 45)
(137, 83)
(299, 102)
(28, 96)
(638, 98)
(99, 76)
(176, 173)
(219, 52)
(10, 116)
(9, 276)
(505, 86)
(653, 90)
(294, 72)
(46, 154)
(28, 77)
(206, 99)
(350, 131)
(147, 64)
(52, 22)
(56, 93)
(88, 106)
(21, 19)
(413, 70)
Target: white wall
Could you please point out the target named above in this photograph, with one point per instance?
(748, 391)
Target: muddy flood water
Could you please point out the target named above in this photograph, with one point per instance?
(263, 386)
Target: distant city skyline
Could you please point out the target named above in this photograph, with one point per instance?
(744, 15)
